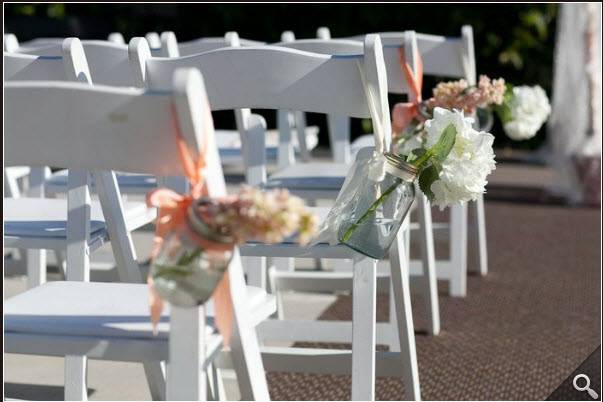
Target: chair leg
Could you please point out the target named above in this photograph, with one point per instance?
(255, 268)
(482, 244)
(300, 127)
(284, 264)
(458, 250)
(244, 344)
(363, 329)
(185, 370)
(339, 137)
(121, 239)
(394, 340)
(429, 279)
(36, 267)
(36, 259)
(78, 269)
(401, 287)
(155, 373)
(277, 292)
(75, 378)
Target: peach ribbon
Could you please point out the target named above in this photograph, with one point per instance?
(172, 213)
(404, 113)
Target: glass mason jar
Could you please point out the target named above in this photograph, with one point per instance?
(371, 221)
(192, 260)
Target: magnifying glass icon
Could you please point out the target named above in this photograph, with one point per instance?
(586, 386)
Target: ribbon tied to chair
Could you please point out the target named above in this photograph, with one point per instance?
(404, 113)
(172, 213)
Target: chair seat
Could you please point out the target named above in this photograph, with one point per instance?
(41, 222)
(229, 144)
(310, 176)
(101, 310)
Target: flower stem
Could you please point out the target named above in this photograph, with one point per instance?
(371, 209)
(417, 163)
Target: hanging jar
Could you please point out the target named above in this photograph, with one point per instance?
(371, 219)
(192, 259)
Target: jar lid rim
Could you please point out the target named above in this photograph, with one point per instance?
(198, 224)
(407, 170)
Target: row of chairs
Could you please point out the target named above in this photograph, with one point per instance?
(224, 82)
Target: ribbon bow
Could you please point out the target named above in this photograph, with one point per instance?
(172, 213)
(404, 113)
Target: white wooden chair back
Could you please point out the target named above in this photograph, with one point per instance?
(170, 47)
(452, 57)
(109, 62)
(350, 48)
(273, 77)
(113, 37)
(69, 65)
(103, 128)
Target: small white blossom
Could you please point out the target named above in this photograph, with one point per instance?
(471, 160)
(530, 108)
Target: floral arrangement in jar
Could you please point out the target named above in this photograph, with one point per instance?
(195, 254)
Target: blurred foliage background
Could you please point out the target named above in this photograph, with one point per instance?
(514, 41)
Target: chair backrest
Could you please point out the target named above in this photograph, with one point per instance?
(273, 77)
(116, 37)
(349, 48)
(452, 57)
(153, 39)
(170, 47)
(109, 62)
(25, 47)
(80, 126)
(11, 44)
(69, 65)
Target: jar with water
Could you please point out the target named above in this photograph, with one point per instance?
(370, 222)
(192, 260)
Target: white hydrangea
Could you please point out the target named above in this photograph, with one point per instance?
(530, 108)
(471, 160)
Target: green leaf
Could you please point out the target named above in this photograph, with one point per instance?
(504, 113)
(442, 148)
(427, 177)
(418, 152)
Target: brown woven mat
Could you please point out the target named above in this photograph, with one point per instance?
(521, 330)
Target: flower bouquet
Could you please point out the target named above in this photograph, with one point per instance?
(434, 144)
(524, 110)
(448, 158)
(195, 254)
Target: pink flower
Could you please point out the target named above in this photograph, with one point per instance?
(268, 216)
(460, 96)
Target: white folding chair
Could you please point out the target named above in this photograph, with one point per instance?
(97, 128)
(278, 78)
(39, 224)
(291, 138)
(327, 187)
(27, 220)
(449, 57)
